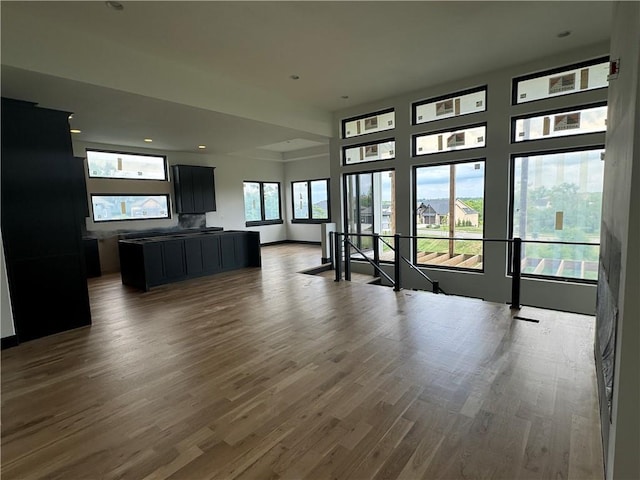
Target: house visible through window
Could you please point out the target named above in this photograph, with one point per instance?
(310, 201)
(262, 203)
(450, 203)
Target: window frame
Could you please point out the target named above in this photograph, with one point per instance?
(165, 165)
(343, 123)
(414, 139)
(256, 223)
(367, 144)
(555, 111)
(311, 220)
(552, 71)
(345, 200)
(414, 105)
(415, 226)
(530, 153)
(166, 195)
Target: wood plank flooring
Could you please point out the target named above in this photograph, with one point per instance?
(268, 373)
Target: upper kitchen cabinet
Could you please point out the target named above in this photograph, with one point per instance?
(194, 189)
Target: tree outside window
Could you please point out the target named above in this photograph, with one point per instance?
(262, 203)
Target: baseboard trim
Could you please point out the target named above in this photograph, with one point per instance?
(10, 341)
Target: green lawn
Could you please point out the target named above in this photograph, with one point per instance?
(471, 247)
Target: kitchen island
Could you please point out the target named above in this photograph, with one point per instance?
(146, 262)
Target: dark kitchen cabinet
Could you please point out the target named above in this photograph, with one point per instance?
(194, 189)
(146, 262)
(41, 222)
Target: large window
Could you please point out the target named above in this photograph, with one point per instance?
(461, 103)
(106, 164)
(369, 123)
(310, 201)
(561, 81)
(370, 207)
(450, 203)
(262, 203)
(556, 203)
(109, 208)
(560, 123)
(436, 142)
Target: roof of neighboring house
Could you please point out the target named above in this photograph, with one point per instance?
(441, 206)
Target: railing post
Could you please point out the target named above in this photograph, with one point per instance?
(516, 273)
(396, 267)
(376, 252)
(347, 258)
(332, 257)
(337, 255)
(436, 286)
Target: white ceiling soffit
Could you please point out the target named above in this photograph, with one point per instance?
(237, 57)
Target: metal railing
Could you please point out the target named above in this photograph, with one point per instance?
(341, 246)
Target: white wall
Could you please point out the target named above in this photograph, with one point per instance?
(493, 284)
(310, 169)
(621, 226)
(230, 172)
(6, 316)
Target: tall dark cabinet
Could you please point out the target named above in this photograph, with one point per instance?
(194, 189)
(41, 223)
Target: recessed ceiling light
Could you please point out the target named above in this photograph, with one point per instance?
(202, 147)
(75, 130)
(294, 77)
(115, 5)
(148, 140)
(566, 33)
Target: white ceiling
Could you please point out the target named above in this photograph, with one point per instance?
(218, 73)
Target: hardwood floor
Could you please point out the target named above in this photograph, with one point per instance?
(269, 373)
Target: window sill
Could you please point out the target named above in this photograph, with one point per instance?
(258, 223)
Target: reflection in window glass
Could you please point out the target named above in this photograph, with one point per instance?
(371, 209)
(573, 122)
(453, 106)
(473, 137)
(370, 152)
(252, 202)
(262, 203)
(126, 165)
(107, 208)
(300, 200)
(376, 122)
(558, 197)
(310, 201)
(271, 201)
(450, 210)
(565, 82)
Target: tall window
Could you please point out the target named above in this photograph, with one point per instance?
(370, 206)
(557, 201)
(310, 201)
(262, 203)
(450, 203)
